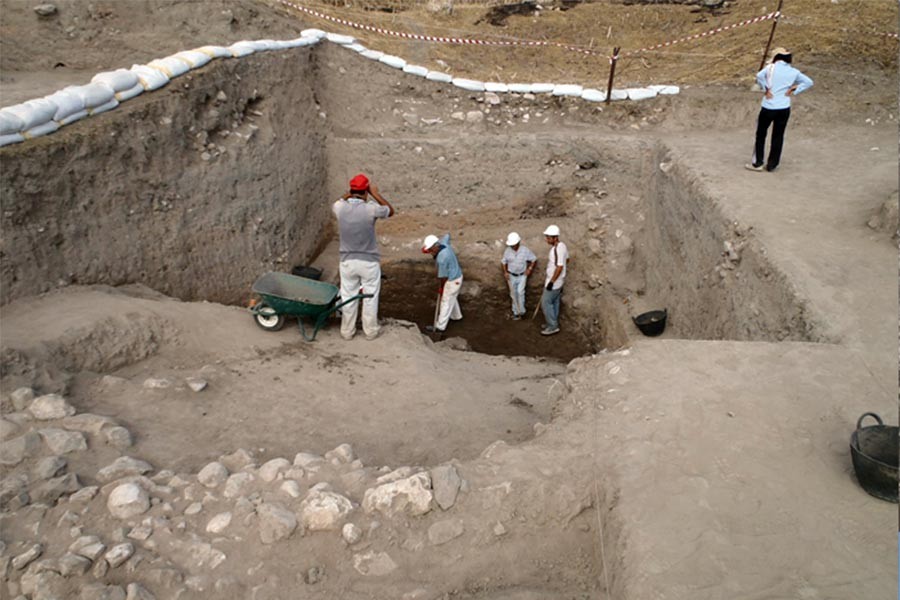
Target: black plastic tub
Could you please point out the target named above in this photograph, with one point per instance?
(651, 323)
(874, 451)
(308, 272)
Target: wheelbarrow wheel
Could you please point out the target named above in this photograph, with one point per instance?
(268, 319)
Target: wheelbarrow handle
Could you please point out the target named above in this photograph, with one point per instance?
(349, 300)
(868, 414)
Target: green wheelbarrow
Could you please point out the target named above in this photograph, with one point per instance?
(284, 295)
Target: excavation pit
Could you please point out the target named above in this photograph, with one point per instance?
(408, 291)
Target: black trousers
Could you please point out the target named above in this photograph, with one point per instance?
(778, 119)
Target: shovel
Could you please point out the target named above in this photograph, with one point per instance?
(437, 313)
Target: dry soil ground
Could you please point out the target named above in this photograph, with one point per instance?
(709, 463)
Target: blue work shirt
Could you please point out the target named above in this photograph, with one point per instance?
(447, 264)
(779, 77)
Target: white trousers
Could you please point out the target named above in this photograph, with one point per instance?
(449, 304)
(517, 293)
(356, 274)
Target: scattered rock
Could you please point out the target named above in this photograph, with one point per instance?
(26, 558)
(275, 522)
(60, 441)
(351, 533)
(474, 116)
(14, 451)
(73, 564)
(444, 531)
(118, 554)
(314, 575)
(45, 10)
(53, 489)
(123, 467)
(157, 383)
(43, 586)
(196, 384)
(221, 96)
(142, 531)
(411, 118)
(491, 98)
(270, 470)
(237, 484)
(85, 494)
(128, 500)
(99, 591)
(373, 563)
(237, 460)
(499, 529)
(88, 546)
(411, 495)
(50, 406)
(14, 491)
(445, 482)
(218, 523)
(118, 437)
(213, 475)
(21, 397)
(101, 568)
(193, 509)
(458, 116)
(291, 488)
(87, 423)
(344, 454)
(322, 510)
(136, 591)
(7, 429)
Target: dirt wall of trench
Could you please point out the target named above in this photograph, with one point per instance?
(193, 190)
(710, 272)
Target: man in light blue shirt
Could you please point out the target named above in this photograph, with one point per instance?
(450, 277)
(780, 82)
(518, 262)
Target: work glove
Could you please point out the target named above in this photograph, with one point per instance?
(549, 286)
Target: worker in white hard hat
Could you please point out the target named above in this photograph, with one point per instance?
(450, 277)
(556, 276)
(518, 263)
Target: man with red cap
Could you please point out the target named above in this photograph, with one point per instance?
(360, 259)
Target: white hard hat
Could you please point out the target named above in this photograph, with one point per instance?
(428, 242)
(552, 231)
(512, 239)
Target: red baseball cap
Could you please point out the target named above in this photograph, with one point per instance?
(360, 183)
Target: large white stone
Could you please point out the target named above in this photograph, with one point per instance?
(60, 441)
(21, 397)
(322, 510)
(128, 500)
(219, 522)
(88, 423)
(445, 482)
(119, 554)
(123, 467)
(237, 485)
(50, 406)
(411, 496)
(344, 454)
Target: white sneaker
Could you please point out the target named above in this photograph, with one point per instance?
(549, 331)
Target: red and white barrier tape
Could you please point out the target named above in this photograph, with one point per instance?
(439, 39)
(697, 36)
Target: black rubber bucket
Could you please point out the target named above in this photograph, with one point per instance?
(874, 451)
(651, 323)
(308, 272)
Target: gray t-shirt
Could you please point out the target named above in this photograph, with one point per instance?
(356, 223)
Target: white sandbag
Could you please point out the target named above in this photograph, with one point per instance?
(33, 113)
(664, 90)
(415, 70)
(192, 57)
(343, 40)
(542, 88)
(468, 84)
(497, 88)
(640, 93)
(314, 33)
(299, 42)
(373, 54)
(104, 107)
(356, 48)
(67, 103)
(214, 51)
(10, 123)
(119, 80)
(11, 138)
(150, 78)
(42, 129)
(618, 95)
(592, 95)
(439, 77)
(520, 88)
(171, 66)
(568, 89)
(265, 45)
(74, 117)
(129, 94)
(241, 49)
(93, 94)
(392, 61)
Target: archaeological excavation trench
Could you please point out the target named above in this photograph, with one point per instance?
(195, 192)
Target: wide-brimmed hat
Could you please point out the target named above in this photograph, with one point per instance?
(780, 50)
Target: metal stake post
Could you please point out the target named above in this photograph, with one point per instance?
(612, 72)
